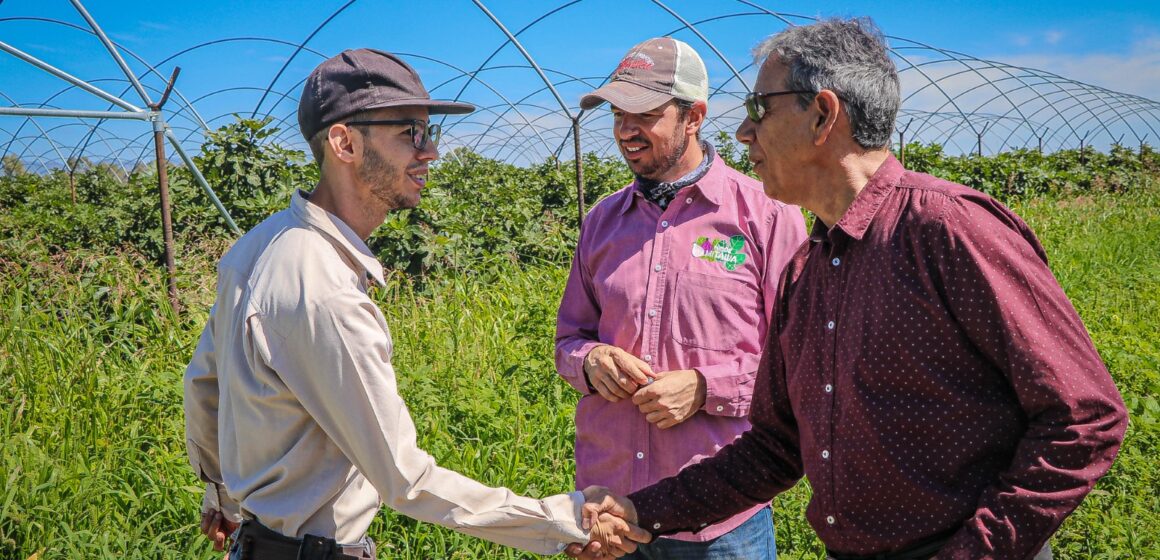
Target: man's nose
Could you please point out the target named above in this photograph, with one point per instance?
(745, 131)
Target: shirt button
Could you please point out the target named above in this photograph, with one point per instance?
(656, 525)
(658, 268)
(689, 200)
(830, 325)
(829, 388)
(648, 357)
(640, 454)
(836, 261)
(825, 454)
(830, 520)
(652, 312)
(665, 223)
(720, 408)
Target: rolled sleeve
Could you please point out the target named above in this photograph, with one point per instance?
(577, 327)
(201, 424)
(728, 388)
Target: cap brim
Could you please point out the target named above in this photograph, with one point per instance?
(626, 96)
(434, 106)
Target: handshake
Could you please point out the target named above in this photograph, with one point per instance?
(611, 524)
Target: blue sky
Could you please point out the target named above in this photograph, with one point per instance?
(1115, 45)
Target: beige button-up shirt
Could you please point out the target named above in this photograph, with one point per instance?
(292, 412)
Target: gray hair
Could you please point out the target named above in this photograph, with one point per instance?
(848, 57)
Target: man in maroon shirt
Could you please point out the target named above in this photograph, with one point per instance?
(924, 369)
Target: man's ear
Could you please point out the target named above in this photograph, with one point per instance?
(827, 108)
(342, 142)
(695, 117)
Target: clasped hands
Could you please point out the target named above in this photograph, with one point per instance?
(611, 524)
(665, 398)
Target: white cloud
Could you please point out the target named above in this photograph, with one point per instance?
(1053, 37)
(1137, 72)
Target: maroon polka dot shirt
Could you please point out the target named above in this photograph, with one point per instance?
(928, 376)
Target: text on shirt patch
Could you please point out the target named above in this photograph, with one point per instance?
(724, 251)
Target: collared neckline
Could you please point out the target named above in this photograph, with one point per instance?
(865, 206)
(332, 225)
(710, 180)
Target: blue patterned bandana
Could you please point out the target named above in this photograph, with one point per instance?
(662, 194)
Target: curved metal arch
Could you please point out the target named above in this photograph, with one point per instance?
(100, 122)
(986, 80)
(527, 56)
(1026, 118)
(506, 42)
(514, 145)
(1101, 94)
(470, 78)
(922, 124)
(1076, 100)
(1096, 116)
(1115, 103)
(521, 101)
(959, 57)
(151, 68)
(705, 39)
(1153, 106)
(297, 50)
(48, 132)
(67, 124)
(43, 133)
(21, 139)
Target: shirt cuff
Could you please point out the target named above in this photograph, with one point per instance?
(216, 499)
(573, 371)
(727, 393)
(566, 511)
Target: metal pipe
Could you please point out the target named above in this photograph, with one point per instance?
(579, 171)
(112, 51)
(31, 112)
(200, 179)
(166, 215)
(67, 77)
(527, 56)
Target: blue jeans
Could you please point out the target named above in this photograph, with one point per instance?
(752, 540)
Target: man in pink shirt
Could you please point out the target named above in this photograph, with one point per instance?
(671, 291)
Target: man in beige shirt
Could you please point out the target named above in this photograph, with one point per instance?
(293, 418)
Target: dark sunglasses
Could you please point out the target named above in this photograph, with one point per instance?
(755, 102)
(421, 132)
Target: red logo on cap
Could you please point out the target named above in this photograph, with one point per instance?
(636, 60)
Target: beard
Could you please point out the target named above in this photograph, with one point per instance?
(659, 167)
(384, 180)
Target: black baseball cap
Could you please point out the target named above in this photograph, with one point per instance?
(360, 80)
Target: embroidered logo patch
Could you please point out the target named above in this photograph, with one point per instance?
(724, 251)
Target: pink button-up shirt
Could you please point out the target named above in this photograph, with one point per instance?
(690, 287)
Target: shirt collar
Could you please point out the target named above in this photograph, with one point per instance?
(345, 238)
(709, 186)
(861, 212)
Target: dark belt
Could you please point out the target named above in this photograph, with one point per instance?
(921, 551)
(258, 542)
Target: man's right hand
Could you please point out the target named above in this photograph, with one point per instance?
(217, 527)
(606, 517)
(614, 373)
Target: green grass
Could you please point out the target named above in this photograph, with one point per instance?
(91, 357)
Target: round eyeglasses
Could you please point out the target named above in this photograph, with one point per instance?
(421, 131)
(755, 106)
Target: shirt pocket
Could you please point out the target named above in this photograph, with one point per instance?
(710, 311)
